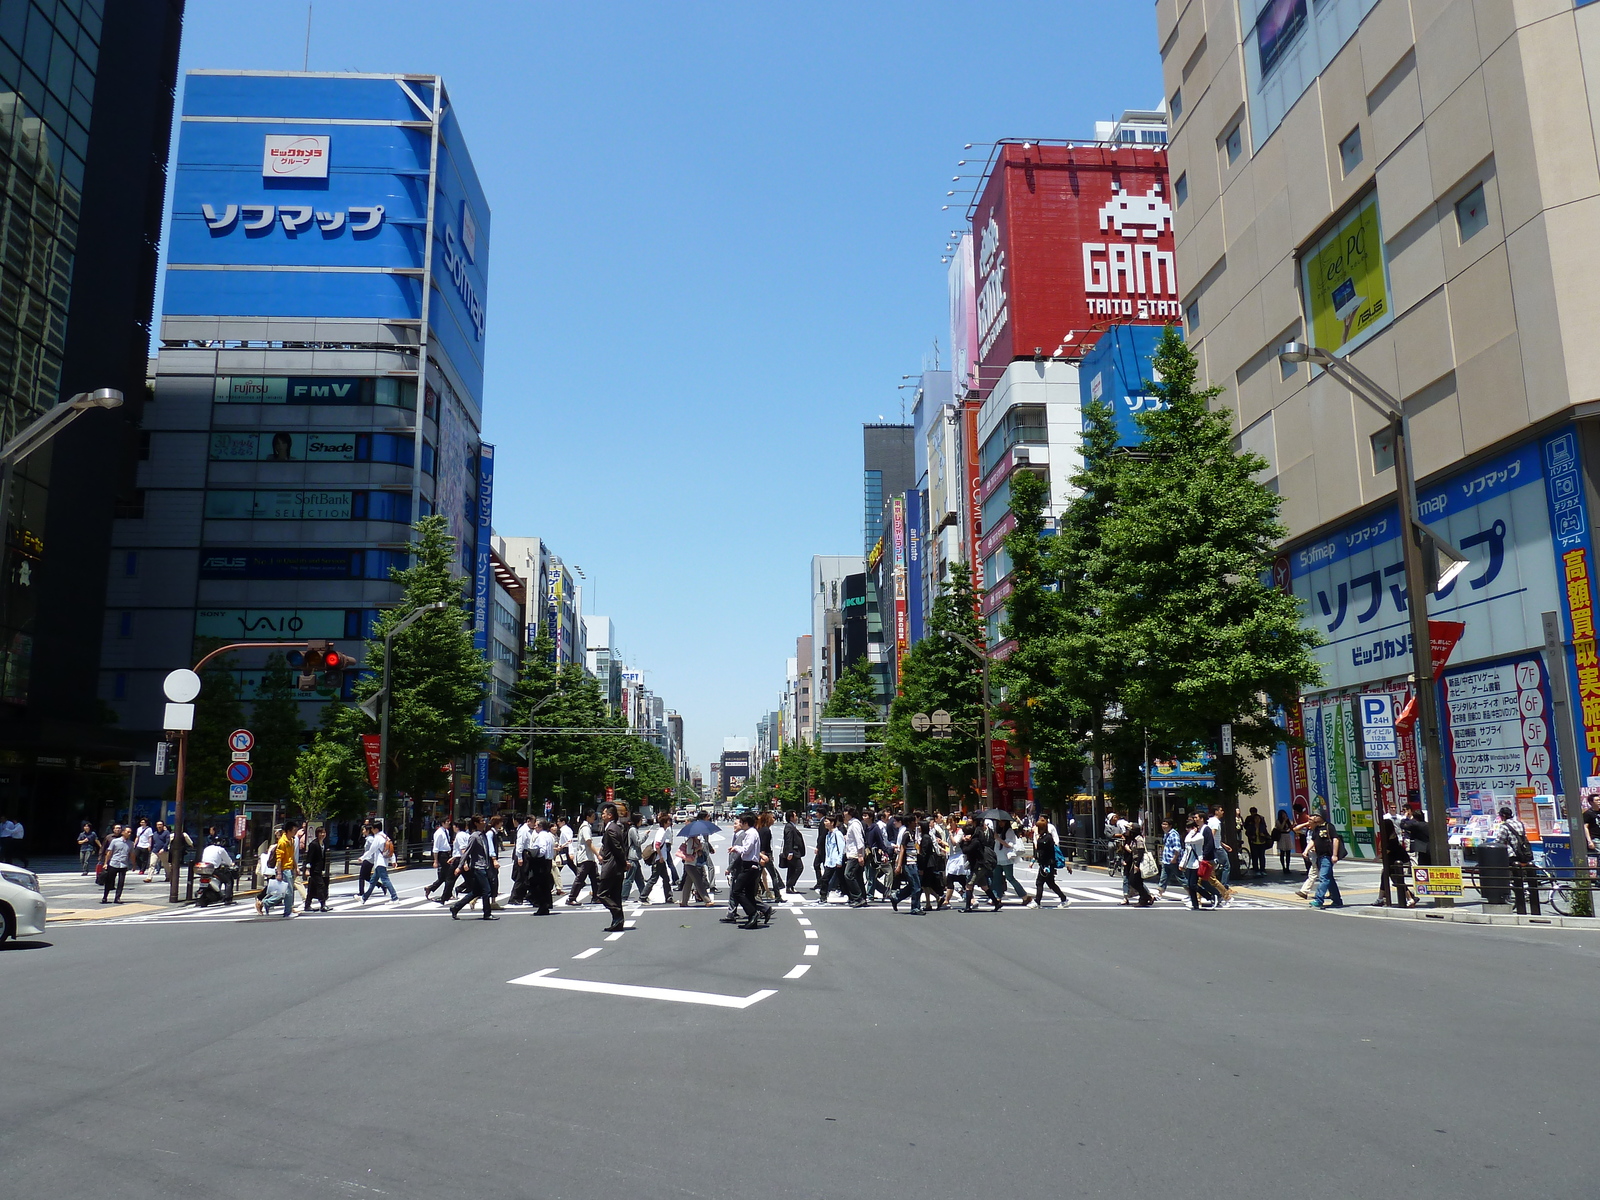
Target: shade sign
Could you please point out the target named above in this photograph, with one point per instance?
(239, 772)
(241, 740)
(1378, 739)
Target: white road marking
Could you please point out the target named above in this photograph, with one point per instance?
(811, 951)
(805, 920)
(544, 979)
(589, 953)
(796, 972)
(810, 933)
(611, 937)
(630, 924)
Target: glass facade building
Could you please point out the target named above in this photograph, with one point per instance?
(319, 380)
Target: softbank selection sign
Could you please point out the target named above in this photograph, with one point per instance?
(293, 156)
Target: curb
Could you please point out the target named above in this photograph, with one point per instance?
(1479, 918)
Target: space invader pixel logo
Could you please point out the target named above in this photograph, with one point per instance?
(1132, 216)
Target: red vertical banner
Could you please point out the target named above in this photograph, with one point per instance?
(373, 745)
(522, 782)
(974, 506)
(1299, 772)
(611, 794)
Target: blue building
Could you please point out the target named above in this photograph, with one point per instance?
(1114, 373)
(319, 381)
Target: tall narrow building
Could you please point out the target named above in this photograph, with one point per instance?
(86, 94)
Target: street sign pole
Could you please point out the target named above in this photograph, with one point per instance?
(1555, 662)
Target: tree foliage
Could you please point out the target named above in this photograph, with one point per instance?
(853, 779)
(438, 672)
(940, 673)
(275, 721)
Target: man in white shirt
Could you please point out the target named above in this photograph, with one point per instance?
(443, 852)
(377, 852)
(221, 864)
(563, 833)
(1223, 864)
(581, 850)
(521, 853)
(747, 864)
(543, 851)
(855, 853)
(659, 857)
(142, 838)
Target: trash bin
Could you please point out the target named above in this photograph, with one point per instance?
(1494, 875)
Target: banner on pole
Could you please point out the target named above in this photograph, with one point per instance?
(373, 745)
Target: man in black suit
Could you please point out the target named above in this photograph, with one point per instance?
(793, 855)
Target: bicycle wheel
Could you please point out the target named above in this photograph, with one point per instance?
(1561, 897)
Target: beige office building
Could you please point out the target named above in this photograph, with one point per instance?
(1414, 184)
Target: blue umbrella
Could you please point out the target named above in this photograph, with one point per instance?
(699, 829)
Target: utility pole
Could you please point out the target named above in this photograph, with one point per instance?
(1422, 577)
(985, 766)
(384, 698)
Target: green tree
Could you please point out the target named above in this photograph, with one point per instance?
(939, 673)
(570, 770)
(795, 775)
(1043, 709)
(327, 779)
(275, 721)
(1188, 550)
(853, 779)
(439, 674)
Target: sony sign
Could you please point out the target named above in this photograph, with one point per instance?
(293, 156)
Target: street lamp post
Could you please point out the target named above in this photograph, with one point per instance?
(985, 767)
(1414, 539)
(384, 696)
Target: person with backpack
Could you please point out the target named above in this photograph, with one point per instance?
(979, 847)
(378, 851)
(1047, 857)
(1513, 835)
(1395, 862)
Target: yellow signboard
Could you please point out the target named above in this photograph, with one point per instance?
(1347, 292)
(1437, 881)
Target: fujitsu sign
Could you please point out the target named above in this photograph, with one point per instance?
(1070, 239)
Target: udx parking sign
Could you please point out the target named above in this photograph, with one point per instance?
(1379, 743)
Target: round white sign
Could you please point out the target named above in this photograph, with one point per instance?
(181, 686)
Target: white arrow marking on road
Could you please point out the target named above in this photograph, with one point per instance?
(543, 979)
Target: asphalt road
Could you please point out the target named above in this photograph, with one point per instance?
(1111, 1052)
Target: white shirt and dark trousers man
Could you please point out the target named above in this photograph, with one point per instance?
(746, 851)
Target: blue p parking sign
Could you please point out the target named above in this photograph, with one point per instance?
(1379, 743)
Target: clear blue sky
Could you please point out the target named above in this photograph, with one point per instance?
(716, 241)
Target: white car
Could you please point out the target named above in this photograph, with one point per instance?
(22, 907)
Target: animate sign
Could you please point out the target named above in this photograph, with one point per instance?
(1070, 238)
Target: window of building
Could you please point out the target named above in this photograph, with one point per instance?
(1180, 189)
(125, 624)
(1277, 27)
(1233, 143)
(1472, 214)
(1026, 424)
(130, 563)
(119, 686)
(129, 506)
(1191, 314)
(1382, 450)
(144, 445)
(1350, 151)
(1175, 104)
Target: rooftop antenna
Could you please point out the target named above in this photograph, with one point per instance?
(305, 64)
(935, 354)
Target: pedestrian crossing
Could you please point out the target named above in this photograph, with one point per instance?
(1083, 893)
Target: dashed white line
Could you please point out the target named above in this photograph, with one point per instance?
(543, 979)
(810, 933)
(796, 972)
(611, 937)
(811, 951)
(589, 953)
(804, 920)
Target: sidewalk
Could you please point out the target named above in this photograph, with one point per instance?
(73, 896)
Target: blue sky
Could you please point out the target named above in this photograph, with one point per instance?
(716, 241)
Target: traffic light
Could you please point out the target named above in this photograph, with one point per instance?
(320, 658)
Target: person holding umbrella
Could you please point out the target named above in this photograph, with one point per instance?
(694, 854)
